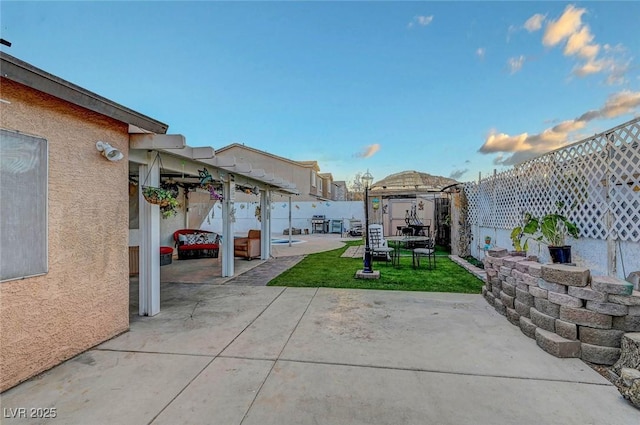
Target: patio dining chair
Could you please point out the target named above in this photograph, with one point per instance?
(378, 245)
(429, 251)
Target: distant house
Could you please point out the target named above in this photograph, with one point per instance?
(340, 190)
(310, 183)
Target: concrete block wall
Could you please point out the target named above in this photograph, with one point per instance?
(568, 311)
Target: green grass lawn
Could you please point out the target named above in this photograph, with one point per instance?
(328, 269)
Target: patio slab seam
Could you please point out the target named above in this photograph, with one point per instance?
(244, 417)
(215, 357)
(422, 370)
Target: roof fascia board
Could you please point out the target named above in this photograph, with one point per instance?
(194, 153)
(21, 72)
(239, 167)
(221, 161)
(157, 141)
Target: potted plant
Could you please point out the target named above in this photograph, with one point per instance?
(164, 197)
(552, 230)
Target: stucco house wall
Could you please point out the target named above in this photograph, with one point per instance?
(84, 298)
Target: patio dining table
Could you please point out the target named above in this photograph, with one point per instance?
(408, 242)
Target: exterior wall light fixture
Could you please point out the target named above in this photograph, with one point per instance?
(109, 152)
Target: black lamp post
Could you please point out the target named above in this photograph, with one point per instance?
(367, 179)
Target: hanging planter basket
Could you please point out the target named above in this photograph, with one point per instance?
(164, 196)
(156, 195)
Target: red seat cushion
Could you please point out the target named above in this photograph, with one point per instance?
(198, 246)
(166, 250)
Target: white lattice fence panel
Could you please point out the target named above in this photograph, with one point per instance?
(471, 191)
(485, 207)
(587, 195)
(596, 183)
(578, 184)
(624, 181)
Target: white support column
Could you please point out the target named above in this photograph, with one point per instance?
(265, 228)
(612, 262)
(149, 286)
(290, 220)
(228, 192)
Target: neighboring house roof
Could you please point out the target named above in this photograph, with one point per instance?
(310, 164)
(409, 182)
(26, 74)
(306, 164)
(326, 176)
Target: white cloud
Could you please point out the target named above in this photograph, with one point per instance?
(456, 174)
(580, 44)
(501, 142)
(569, 126)
(534, 23)
(617, 72)
(524, 146)
(368, 151)
(568, 23)
(480, 52)
(588, 68)
(515, 64)
(423, 21)
(620, 103)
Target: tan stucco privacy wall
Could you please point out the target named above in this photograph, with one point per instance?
(84, 298)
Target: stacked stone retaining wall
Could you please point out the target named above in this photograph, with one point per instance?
(569, 312)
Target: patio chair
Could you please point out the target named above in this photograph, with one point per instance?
(248, 247)
(429, 251)
(377, 244)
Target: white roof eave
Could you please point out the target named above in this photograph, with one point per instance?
(229, 165)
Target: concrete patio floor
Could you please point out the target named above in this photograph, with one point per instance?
(251, 355)
(209, 270)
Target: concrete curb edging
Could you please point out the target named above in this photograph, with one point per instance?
(476, 271)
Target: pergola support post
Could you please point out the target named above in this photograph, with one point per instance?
(228, 216)
(265, 228)
(149, 254)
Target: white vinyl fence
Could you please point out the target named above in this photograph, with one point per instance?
(246, 216)
(596, 180)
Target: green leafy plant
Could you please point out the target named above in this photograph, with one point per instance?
(550, 229)
(171, 209)
(165, 198)
(528, 225)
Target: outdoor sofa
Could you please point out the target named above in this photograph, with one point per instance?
(196, 243)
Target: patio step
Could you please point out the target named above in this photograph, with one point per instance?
(263, 273)
(354, 252)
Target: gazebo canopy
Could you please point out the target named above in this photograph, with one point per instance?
(410, 183)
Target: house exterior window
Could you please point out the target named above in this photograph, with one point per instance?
(313, 179)
(320, 182)
(23, 190)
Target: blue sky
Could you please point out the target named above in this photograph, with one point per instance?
(447, 88)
